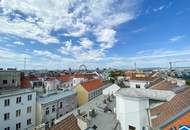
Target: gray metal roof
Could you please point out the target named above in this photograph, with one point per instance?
(161, 95)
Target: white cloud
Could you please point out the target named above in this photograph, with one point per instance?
(176, 38)
(160, 53)
(159, 8)
(106, 37)
(81, 52)
(9, 58)
(18, 43)
(86, 43)
(68, 15)
(46, 54)
(139, 30)
(24, 29)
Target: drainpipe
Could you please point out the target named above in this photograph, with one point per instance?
(149, 120)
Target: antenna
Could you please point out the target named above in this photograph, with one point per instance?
(24, 63)
(135, 64)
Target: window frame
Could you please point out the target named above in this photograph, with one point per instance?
(6, 103)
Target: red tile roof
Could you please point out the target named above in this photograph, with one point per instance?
(92, 84)
(164, 85)
(64, 78)
(167, 110)
(25, 82)
(140, 76)
(69, 123)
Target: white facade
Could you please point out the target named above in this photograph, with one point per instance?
(138, 84)
(132, 112)
(53, 106)
(26, 106)
(132, 106)
(77, 81)
(67, 84)
(52, 84)
(111, 90)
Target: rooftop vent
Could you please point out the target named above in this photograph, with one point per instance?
(92, 113)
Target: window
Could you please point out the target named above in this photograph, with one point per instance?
(29, 122)
(61, 105)
(6, 102)
(29, 97)
(53, 108)
(52, 122)
(6, 116)
(29, 109)
(13, 81)
(4, 82)
(18, 113)
(18, 100)
(132, 128)
(60, 115)
(18, 126)
(47, 110)
(138, 86)
(47, 125)
(7, 128)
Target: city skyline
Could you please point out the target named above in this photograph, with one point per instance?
(57, 34)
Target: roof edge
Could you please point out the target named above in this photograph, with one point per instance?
(178, 115)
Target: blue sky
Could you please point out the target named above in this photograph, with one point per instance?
(54, 34)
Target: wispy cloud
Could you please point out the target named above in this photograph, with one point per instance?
(69, 19)
(75, 19)
(159, 8)
(18, 43)
(139, 30)
(176, 38)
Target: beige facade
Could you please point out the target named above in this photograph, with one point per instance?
(82, 95)
(9, 78)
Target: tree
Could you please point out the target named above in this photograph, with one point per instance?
(188, 82)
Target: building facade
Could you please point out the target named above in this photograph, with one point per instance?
(17, 109)
(87, 91)
(54, 105)
(9, 78)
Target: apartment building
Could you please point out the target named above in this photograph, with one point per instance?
(54, 105)
(17, 109)
(141, 80)
(87, 91)
(133, 106)
(9, 78)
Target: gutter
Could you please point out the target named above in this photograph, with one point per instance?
(178, 115)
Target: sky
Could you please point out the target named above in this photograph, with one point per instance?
(55, 34)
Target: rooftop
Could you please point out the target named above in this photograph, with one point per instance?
(92, 84)
(164, 85)
(13, 92)
(140, 76)
(103, 120)
(69, 123)
(146, 94)
(169, 109)
(55, 96)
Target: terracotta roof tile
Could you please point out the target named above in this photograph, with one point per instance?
(25, 82)
(69, 123)
(164, 85)
(171, 108)
(92, 84)
(140, 76)
(64, 78)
